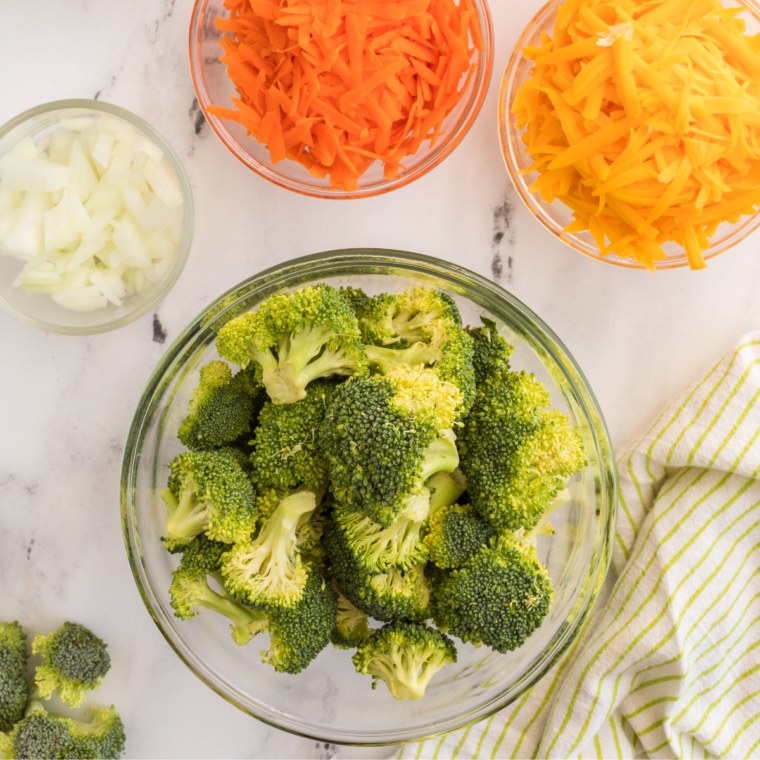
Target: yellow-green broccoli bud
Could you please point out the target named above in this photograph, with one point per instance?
(351, 626)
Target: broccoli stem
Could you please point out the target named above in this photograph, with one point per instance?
(441, 455)
(388, 358)
(189, 519)
(445, 488)
(246, 623)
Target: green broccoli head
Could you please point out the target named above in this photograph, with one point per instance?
(516, 453)
(210, 493)
(295, 339)
(351, 625)
(14, 689)
(498, 597)
(298, 633)
(75, 662)
(455, 533)
(285, 453)
(490, 351)
(383, 437)
(219, 411)
(405, 657)
(269, 571)
(356, 298)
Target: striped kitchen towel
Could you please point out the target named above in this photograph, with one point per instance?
(669, 665)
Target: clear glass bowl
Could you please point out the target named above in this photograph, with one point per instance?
(556, 216)
(213, 86)
(329, 701)
(38, 309)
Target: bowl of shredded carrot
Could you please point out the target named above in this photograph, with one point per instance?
(339, 99)
(631, 128)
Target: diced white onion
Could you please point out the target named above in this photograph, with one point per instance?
(35, 174)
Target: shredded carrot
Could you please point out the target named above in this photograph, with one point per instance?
(338, 85)
(643, 116)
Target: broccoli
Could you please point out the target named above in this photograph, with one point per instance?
(455, 533)
(209, 493)
(499, 596)
(75, 662)
(285, 453)
(356, 297)
(517, 454)
(420, 326)
(14, 689)
(190, 589)
(220, 411)
(351, 626)
(269, 571)
(490, 351)
(384, 436)
(294, 339)
(298, 633)
(405, 656)
(45, 735)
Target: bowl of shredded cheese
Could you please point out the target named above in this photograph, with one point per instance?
(631, 129)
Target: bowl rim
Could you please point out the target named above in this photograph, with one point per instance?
(188, 208)
(601, 548)
(485, 72)
(504, 116)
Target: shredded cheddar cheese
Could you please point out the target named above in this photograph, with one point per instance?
(644, 119)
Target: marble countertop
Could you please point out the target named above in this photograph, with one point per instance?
(66, 402)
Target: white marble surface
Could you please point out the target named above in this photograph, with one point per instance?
(66, 402)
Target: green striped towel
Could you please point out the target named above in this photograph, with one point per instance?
(669, 664)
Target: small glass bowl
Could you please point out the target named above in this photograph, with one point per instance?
(38, 309)
(329, 701)
(213, 86)
(556, 216)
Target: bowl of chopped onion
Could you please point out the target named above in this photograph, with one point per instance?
(631, 133)
(96, 217)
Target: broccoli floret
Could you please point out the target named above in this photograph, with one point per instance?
(269, 571)
(383, 437)
(405, 657)
(517, 454)
(351, 625)
(190, 590)
(75, 662)
(219, 411)
(455, 533)
(14, 689)
(490, 351)
(294, 339)
(420, 326)
(209, 493)
(285, 453)
(299, 633)
(45, 735)
(499, 596)
(356, 297)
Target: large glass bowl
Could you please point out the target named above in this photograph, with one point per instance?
(329, 701)
(556, 216)
(213, 86)
(38, 309)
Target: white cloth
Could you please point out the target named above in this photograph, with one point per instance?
(669, 664)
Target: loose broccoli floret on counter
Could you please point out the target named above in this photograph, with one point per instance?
(420, 326)
(44, 735)
(285, 453)
(351, 626)
(405, 657)
(490, 351)
(499, 596)
(75, 662)
(269, 571)
(14, 688)
(209, 493)
(190, 590)
(300, 632)
(517, 454)
(455, 533)
(294, 339)
(220, 411)
(384, 436)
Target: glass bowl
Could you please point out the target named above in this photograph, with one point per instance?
(213, 86)
(38, 309)
(556, 216)
(329, 701)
